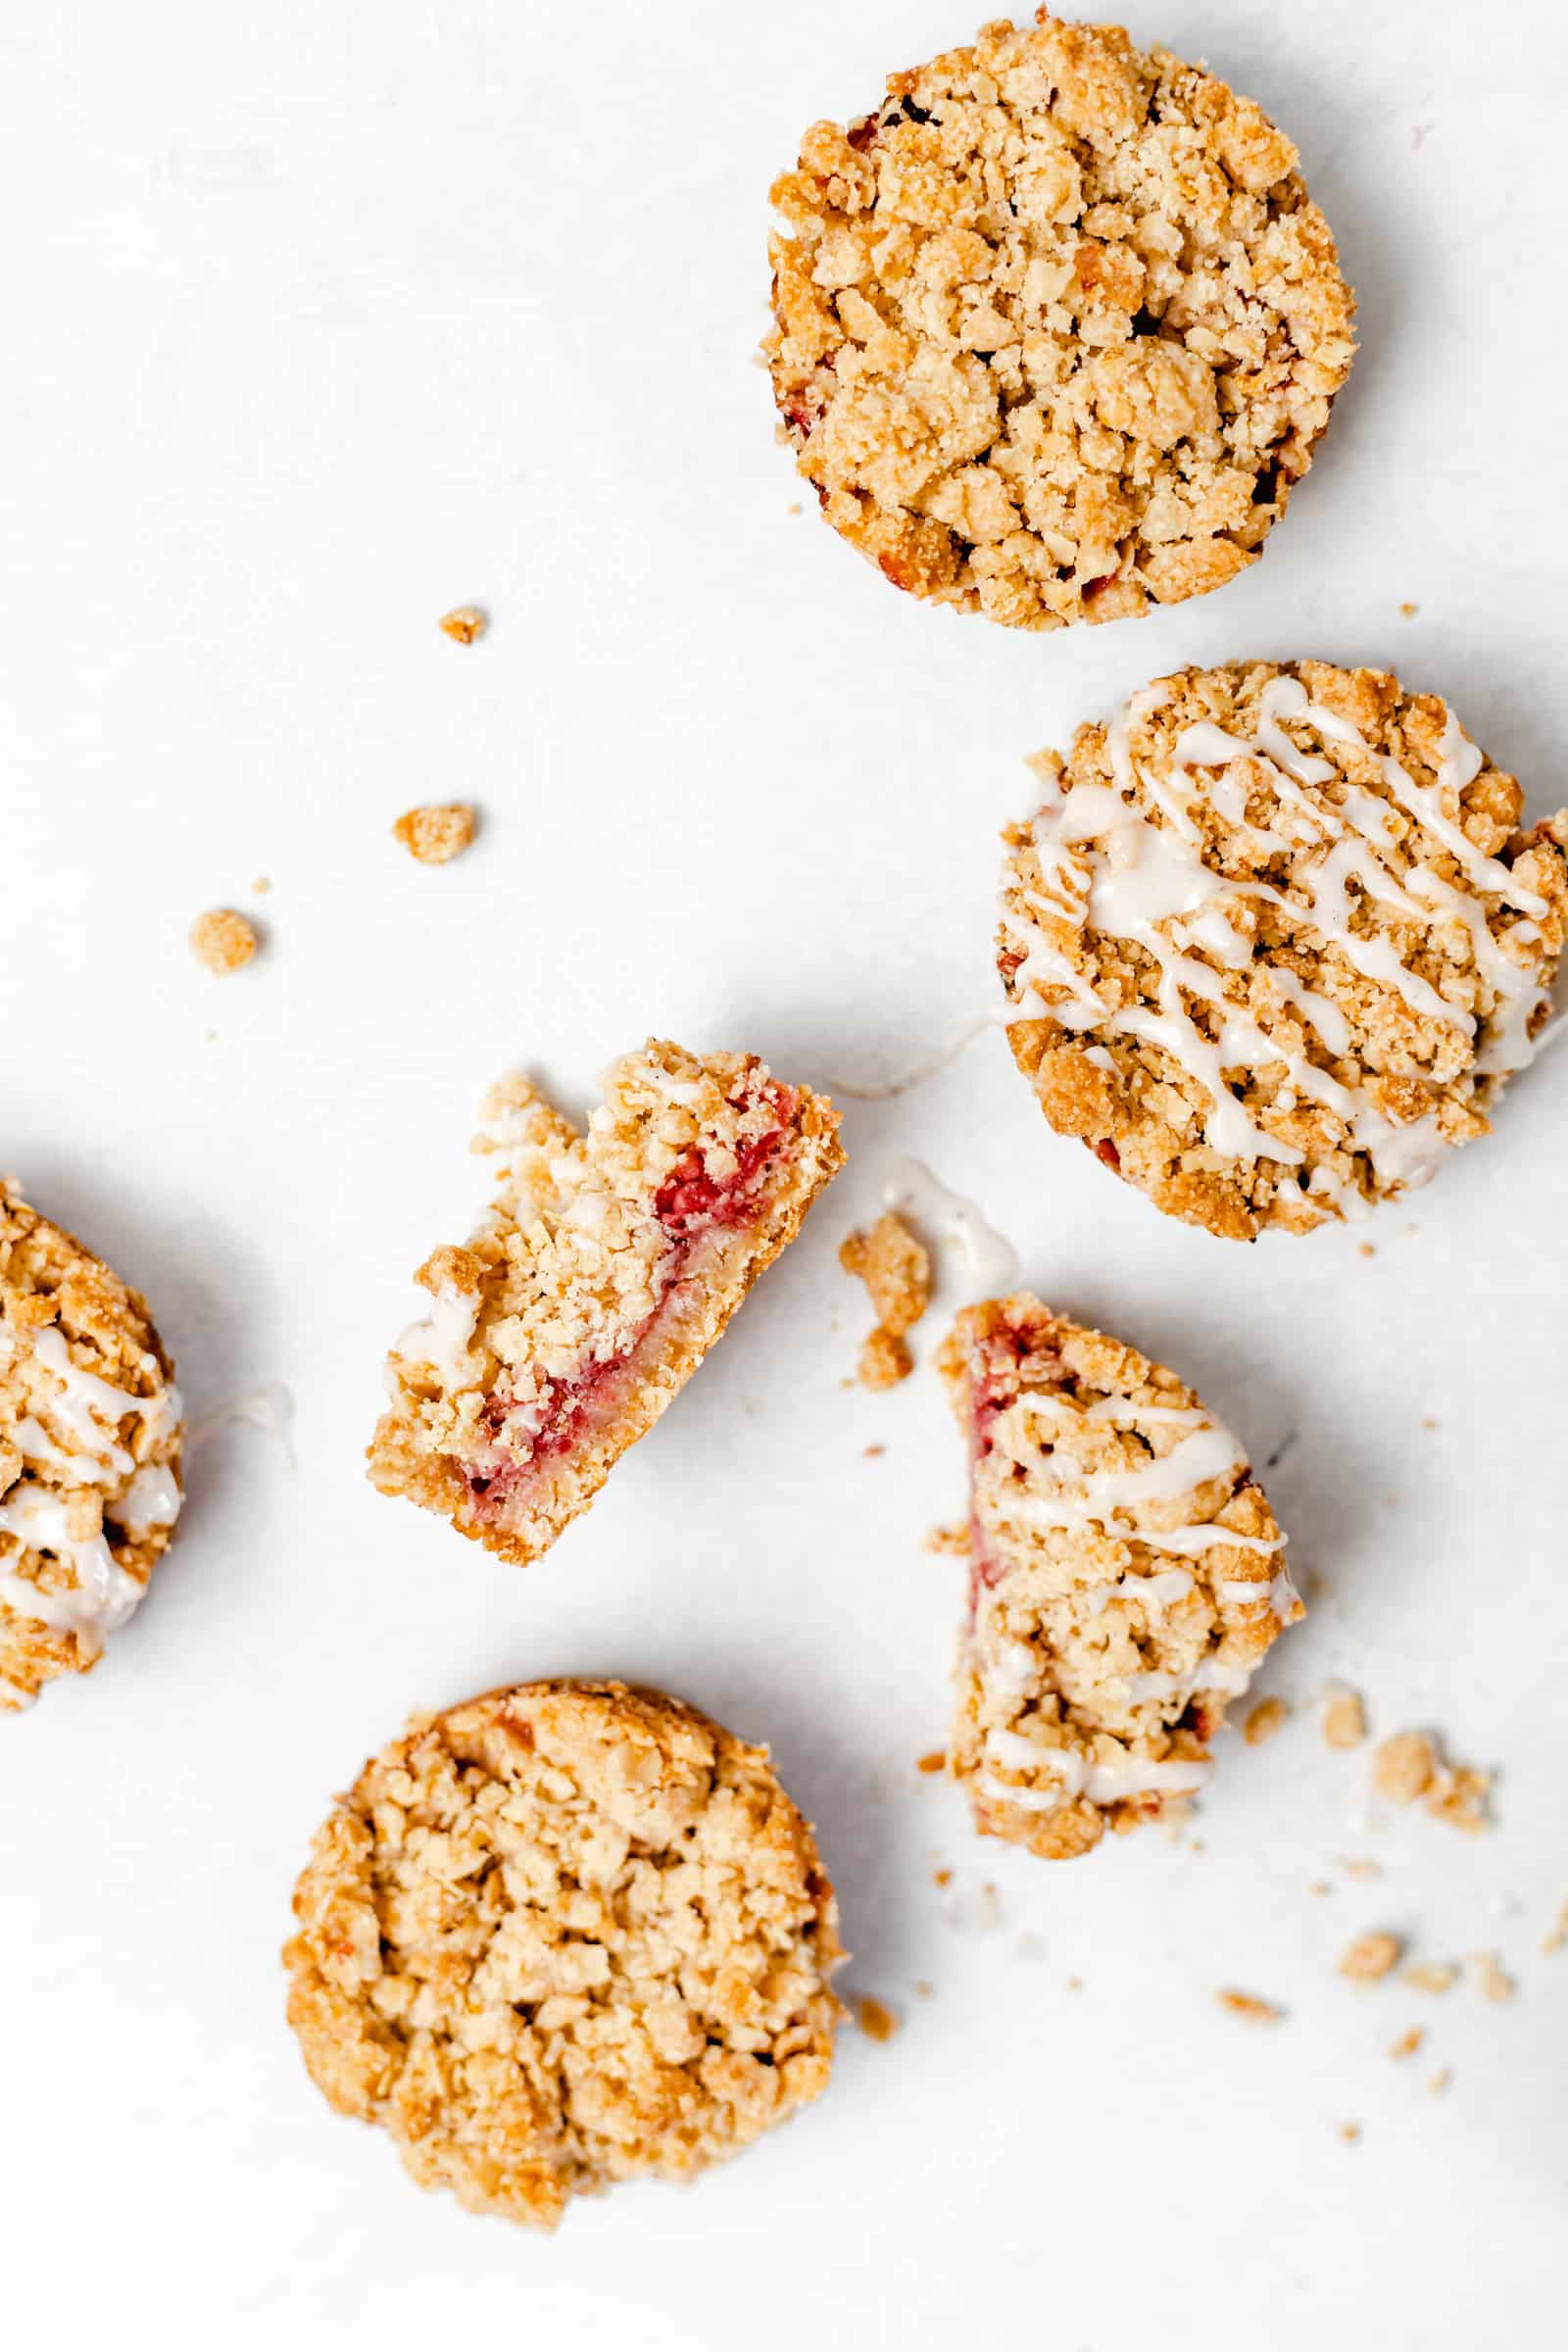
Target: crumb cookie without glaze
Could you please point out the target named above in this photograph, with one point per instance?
(1057, 328)
(89, 1453)
(1126, 1576)
(560, 1936)
(608, 1265)
(1275, 940)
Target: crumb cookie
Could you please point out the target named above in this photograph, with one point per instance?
(1275, 940)
(1126, 1576)
(607, 1267)
(89, 1453)
(561, 1936)
(1058, 326)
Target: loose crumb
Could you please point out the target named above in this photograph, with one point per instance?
(871, 1453)
(1360, 1866)
(1370, 1958)
(437, 832)
(222, 941)
(924, 1989)
(1410, 611)
(1409, 2044)
(951, 1540)
(1319, 1887)
(897, 1272)
(1429, 1423)
(795, 507)
(1251, 2006)
(1366, 1250)
(1557, 1934)
(464, 622)
(1429, 1976)
(1412, 1766)
(1403, 1767)
(1458, 1795)
(1264, 1721)
(261, 885)
(1076, 1984)
(1344, 1717)
(935, 1759)
(1438, 2082)
(1492, 1980)
(878, 2022)
(1350, 2133)
(942, 1878)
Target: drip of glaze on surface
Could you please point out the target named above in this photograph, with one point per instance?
(929, 1066)
(910, 1189)
(270, 1408)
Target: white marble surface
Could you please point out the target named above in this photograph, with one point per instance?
(320, 319)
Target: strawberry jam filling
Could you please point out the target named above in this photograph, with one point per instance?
(690, 1203)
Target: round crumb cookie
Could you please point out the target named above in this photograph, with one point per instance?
(1276, 940)
(1057, 328)
(559, 1937)
(89, 1453)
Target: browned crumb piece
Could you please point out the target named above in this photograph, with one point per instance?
(464, 622)
(1370, 1958)
(1429, 1976)
(897, 1271)
(1251, 2006)
(951, 1541)
(1458, 1795)
(924, 1989)
(942, 1878)
(1557, 1934)
(1491, 1980)
(261, 885)
(1319, 1887)
(1438, 2082)
(1409, 610)
(1403, 1767)
(871, 1453)
(1264, 1721)
(878, 2022)
(222, 941)
(934, 1760)
(1409, 2044)
(559, 1937)
(1350, 2133)
(1344, 1717)
(1366, 1250)
(1076, 1984)
(1360, 1866)
(1411, 1766)
(436, 833)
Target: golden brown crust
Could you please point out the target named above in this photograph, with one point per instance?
(562, 1936)
(1276, 940)
(1058, 328)
(89, 1452)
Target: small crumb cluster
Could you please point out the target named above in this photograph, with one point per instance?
(464, 624)
(1411, 1768)
(1371, 1958)
(896, 1269)
(437, 832)
(1250, 2007)
(222, 941)
(1344, 1717)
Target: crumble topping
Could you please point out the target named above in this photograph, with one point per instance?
(464, 624)
(1275, 940)
(1412, 1767)
(877, 2021)
(222, 941)
(1370, 1958)
(564, 1935)
(436, 833)
(1058, 328)
(1343, 1718)
(1126, 1576)
(897, 1272)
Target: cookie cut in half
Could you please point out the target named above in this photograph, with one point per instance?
(564, 1936)
(1126, 1576)
(1275, 940)
(90, 1428)
(608, 1267)
(1058, 328)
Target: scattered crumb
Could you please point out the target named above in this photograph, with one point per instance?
(1411, 1765)
(1366, 1250)
(872, 1452)
(935, 1759)
(1319, 1887)
(1350, 2133)
(924, 1989)
(1031, 1947)
(1557, 1934)
(1438, 2082)
(464, 622)
(974, 1911)
(436, 833)
(1492, 1978)
(1264, 1721)
(878, 2022)
(1251, 2006)
(1403, 1767)
(1344, 1717)
(897, 1271)
(1076, 1984)
(1429, 1424)
(1458, 1795)
(261, 885)
(1369, 1958)
(1429, 1976)
(1409, 2044)
(1409, 610)
(942, 1878)
(950, 1540)
(222, 941)
(1360, 1866)
(795, 507)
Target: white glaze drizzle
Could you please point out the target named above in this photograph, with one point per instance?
(270, 1408)
(909, 1189)
(39, 1518)
(1138, 876)
(443, 1337)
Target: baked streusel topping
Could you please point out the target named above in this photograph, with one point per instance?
(1126, 1576)
(1276, 939)
(90, 1427)
(561, 1936)
(608, 1267)
(1057, 328)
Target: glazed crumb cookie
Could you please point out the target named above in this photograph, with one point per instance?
(607, 1267)
(89, 1453)
(561, 1936)
(1276, 940)
(1057, 328)
(1126, 1576)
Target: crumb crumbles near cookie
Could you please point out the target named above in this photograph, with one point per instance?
(897, 1272)
(1275, 940)
(90, 1432)
(1370, 1958)
(222, 941)
(1126, 1576)
(608, 1267)
(1264, 1720)
(465, 624)
(437, 832)
(1344, 1723)
(560, 1936)
(1411, 1768)
(1250, 2007)
(1058, 328)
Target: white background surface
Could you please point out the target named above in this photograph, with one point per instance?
(320, 319)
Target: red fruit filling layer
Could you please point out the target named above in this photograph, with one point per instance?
(688, 1205)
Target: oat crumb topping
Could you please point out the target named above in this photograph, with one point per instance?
(222, 941)
(437, 832)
